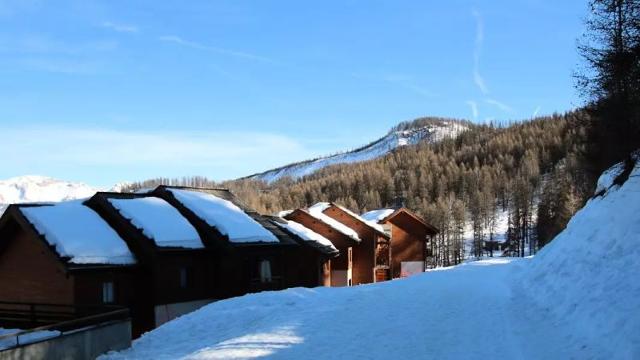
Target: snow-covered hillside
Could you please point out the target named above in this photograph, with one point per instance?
(26, 189)
(579, 298)
(587, 278)
(392, 141)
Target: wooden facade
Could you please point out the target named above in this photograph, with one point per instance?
(359, 262)
(410, 242)
(337, 271)
(165, 282)
(371, 257)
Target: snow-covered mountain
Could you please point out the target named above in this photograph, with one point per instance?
(432, 133)
(25, 189)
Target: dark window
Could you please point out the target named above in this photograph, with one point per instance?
(108, 296)
(265, 271)
(186, 277)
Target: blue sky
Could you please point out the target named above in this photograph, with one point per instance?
(106, 91)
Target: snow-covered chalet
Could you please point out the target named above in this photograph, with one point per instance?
(161, 253)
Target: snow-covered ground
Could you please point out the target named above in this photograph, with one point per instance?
(381, 147)
(579, 298)
(11, 341)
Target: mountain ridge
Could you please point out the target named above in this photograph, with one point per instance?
(403, 134)
(37, 188)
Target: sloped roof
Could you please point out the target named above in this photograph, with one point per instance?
(159, 221)
(377, 215)
(323, 206)
(78, 233)
(317, 211)
(384, 215)
(260, 230)
(306, 235)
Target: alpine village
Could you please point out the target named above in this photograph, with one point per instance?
(446, 238)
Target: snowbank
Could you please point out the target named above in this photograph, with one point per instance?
(79, 233)
(588, 277)
(457, 313)
(27, 338)
(159, 221)
(225, 216)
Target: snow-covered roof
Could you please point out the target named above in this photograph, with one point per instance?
(317, 211)
(305, 233)
(79, 233)
(284, 213)
(159, 221)
(377, 215)
(372, 224)
(224, 215)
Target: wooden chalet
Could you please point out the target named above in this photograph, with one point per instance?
(60, 268)
(162, 253)
(363, 246)
(411, 239)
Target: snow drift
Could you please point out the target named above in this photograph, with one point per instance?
(588, 277)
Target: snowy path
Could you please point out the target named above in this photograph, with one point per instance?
(469, 311)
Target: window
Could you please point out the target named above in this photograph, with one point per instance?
(185, 277)
(265, 271)
(108, 292)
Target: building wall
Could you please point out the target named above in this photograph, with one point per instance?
(339, 241)
(304, 267)
(198, 268)
(30, 272)
(408, 242)
(363, 253)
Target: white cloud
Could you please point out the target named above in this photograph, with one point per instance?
(535, 112)
(136, 154)
(477, 77)
(500, 105)
(120, 27)
(474, 108)
(196, 45)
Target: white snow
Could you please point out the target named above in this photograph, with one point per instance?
(579, 298)
(27, 338)
(500, 230)
(225, 216)
(373, 224)
(284, 213)
(79, 233)
(305, 233)
(377, 215)
(317, 211)
(587, 277)
(381, 147)
(159, 221)
(605, 181)
(32, 188)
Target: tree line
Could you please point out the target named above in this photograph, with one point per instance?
(486, 170)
